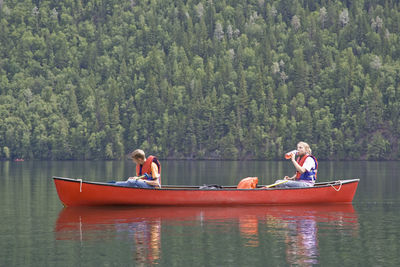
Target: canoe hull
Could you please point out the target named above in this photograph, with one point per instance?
(74, 192)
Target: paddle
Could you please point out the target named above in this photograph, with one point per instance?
(275, 184)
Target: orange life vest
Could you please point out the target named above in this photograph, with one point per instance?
(307, 175)
(146, 167)
(248, 183)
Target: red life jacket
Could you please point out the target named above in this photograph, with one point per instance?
(307, 175)
(146, 167)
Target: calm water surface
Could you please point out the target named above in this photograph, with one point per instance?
(35, 229)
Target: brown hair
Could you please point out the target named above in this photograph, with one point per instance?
(138, 154)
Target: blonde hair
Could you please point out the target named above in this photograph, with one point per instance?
(138, 154)
(306, 147)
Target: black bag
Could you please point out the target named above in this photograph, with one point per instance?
(211, 186)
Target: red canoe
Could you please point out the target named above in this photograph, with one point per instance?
(75, 192)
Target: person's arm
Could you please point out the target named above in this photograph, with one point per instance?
(290, 178)
(154, 170)
(307, 166)
(155, 175)
(299, 168)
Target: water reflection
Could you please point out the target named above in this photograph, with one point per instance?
(146, 236)
(296, 228)
(301, 239)
(300, 225)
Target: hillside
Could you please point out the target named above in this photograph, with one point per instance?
(95, 79)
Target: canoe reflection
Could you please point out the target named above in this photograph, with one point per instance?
(296, 225)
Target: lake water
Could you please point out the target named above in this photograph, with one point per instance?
(35, 229)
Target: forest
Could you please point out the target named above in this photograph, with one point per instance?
(199, 79)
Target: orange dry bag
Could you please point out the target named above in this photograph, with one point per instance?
(248, 183)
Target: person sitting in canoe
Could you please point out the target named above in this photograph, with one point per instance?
(306, 168)
(148, 171)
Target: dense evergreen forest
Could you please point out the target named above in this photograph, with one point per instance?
(198, 79)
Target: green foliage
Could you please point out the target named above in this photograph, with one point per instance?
(378, 147)
(203, 79)
(6, 153)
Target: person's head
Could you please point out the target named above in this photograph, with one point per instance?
(138, 156)
(303, 148)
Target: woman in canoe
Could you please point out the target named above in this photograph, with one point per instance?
(148, 171)
(306, 168)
